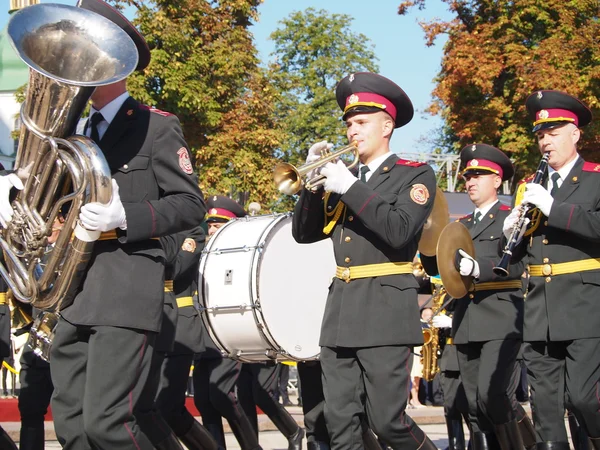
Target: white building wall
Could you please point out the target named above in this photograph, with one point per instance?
(9, 111)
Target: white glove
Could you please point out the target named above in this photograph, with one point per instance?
(468, 266)
(339, 178)
(7, 182)
(510, 222)
(442, 321)
(314, 154)
(537, 195)
(104, 217)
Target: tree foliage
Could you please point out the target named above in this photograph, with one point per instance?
(499, 52)
(314, 50)
(205, 69)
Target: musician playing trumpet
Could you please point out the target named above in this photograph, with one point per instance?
(375, 220)
(562, 325)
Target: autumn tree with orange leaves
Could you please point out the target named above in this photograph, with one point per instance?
(205, 69)
(499, 52)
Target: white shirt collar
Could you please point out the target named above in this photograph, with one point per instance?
(484, 210)
(374, 165)
(110, 110)
(563, 172)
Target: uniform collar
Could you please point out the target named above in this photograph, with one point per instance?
(111, 109)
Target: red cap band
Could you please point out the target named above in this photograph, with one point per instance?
(484, 164)
(370, 99)
(555, 115)
(220, 213)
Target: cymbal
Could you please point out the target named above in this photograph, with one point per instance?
(437, 220)
(453, 237)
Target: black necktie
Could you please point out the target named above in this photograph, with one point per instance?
(555, 177)
(477, 218)
(94, 121)
(363, 173)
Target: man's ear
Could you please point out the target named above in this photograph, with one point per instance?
(388, 127)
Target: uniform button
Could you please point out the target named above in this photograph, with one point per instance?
(350, 218)
(545, 223)
(546, 260)
(491, 237)
(471, 296)
(125, 166)
(545, 241)
(347, 259)
(329, 207)
(548, 279)
(347, 238)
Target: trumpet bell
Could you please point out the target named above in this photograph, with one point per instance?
(287, 178)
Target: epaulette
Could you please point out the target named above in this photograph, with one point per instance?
(157, 111)
(591, 167)
(463, 217)
(505, 208)
(527, 179)
(406, 162)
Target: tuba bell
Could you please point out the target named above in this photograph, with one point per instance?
(70, 51)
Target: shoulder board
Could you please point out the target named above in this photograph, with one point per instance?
(463, 217)
(157, 111)
(406, 162)
(505, 208)
(591, 167)
(527, 179)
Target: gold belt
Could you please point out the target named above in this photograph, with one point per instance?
(449, 341)
(544, 270)
(497, 285)
(168, 285)
(112, 235)
(2, 298)
(435, 280)
(373, 270)
(185, 301)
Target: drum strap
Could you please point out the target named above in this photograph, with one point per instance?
(2, 298)
(182, 302)
(564, 268)
(373, 270)
(497, 285)
(168, 285)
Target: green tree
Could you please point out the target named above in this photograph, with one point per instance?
(499, 52)
(205, 69)
(314, 50)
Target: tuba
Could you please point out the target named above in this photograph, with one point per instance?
(70, 51)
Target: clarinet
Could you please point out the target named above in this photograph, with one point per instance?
(501, 268)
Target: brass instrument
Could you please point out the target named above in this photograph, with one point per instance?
(431, 337)
(453, 237)
(501, 268)
(289, 179)
(437, 220)
(70, 51)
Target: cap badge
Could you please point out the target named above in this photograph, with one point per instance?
(184, 161)
(540, 95)
(351, 78)
(544, 114)
(419, 194)
(474, 163)
(474, 148)
(213, 211)
(353, 99)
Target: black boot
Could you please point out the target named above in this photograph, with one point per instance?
(427, 445)
(244, 433)
(508, 435)
(286, 424)
(552, 445)
(6, 443)
(456, 434)
(578, 434)
(199, 438)
(484, 441)
(170, 443)
(370, 441)
(317, 445)
(527, 432)
(595, 443)
(32, 438)
(216, 431)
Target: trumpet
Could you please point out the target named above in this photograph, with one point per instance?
(502, 268)
(289, 179)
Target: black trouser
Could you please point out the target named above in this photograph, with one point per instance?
(375, 379)
(170, 400)
(99, 373)
(313, 401)
(456, 406)
(34, 399)
(284, 378)
(486, 369)
(564, 375)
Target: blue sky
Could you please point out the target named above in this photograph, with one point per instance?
(398, 41)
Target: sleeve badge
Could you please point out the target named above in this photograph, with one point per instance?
(189, 245)
(419, 194)
(184, 161)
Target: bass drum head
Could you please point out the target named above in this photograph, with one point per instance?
(293, 283)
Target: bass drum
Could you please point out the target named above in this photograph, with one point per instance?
(262, 294)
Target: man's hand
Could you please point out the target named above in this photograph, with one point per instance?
(442, 321)
(339, 178)
(510, 222)
(314, 154)
(468, 266)
(104, 217)
(537, 195)
(7, 182)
